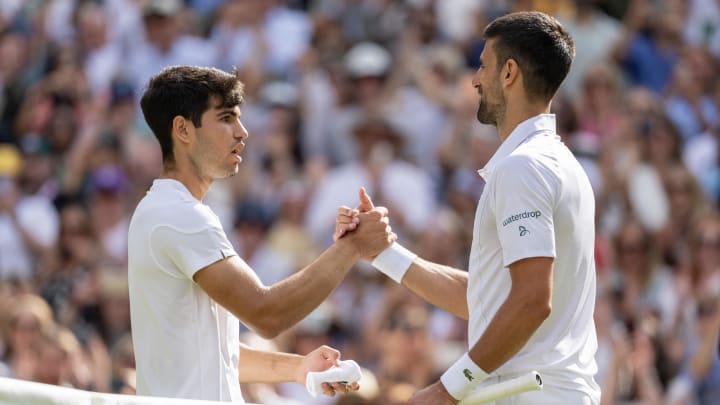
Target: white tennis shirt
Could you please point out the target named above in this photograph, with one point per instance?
(186, 344)
(538, 203)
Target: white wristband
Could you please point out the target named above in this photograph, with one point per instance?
(394, 261)
(462, 377)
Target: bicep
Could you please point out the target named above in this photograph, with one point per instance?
(532, 279)
(231, 283)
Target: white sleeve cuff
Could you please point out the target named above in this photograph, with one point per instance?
(394, 261)
(462, 377)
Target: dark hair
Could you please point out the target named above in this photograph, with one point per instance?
(539, 44)
(186, 91)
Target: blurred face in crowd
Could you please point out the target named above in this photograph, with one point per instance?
(706, 248)
(599, 86)
(486, 80)
(13, 54)
(92, 26)
(682, 192)
(25, 329)
(161, 30)
(632, 249)
(368, 88)
(660, 142)
(218, 142)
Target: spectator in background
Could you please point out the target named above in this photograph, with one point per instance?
(24, 329)
(686, 205)
(109, 211)
(102, 57)
(252, 223)
(367, 66)
(702, 156)
(400, 185)
(595, 34)
(601, 106)
(642, 284)
(14, 79)
(287, 235)
(399, 340)
(28, 221)
(650, 47)
(168, 43)
(690, 105)
(698, 322)
(702, 25)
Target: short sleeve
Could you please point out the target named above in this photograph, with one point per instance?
(524, 205)
(184, 253)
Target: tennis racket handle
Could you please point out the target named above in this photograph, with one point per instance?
(524, 383)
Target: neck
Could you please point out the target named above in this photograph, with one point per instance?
(196, 184)
(518, 112)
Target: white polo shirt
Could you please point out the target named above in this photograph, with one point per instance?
(186, 344)
(538, 203)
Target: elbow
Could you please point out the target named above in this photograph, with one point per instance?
(536, 311)
(268, 324)
(543, 311)
(268, 329)
(539, 310)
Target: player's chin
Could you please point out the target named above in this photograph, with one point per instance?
(229, 171)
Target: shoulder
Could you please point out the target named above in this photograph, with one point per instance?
(527, 159)
(527, 170)
(183, 216)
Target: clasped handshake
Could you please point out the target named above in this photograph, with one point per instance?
(366, 228)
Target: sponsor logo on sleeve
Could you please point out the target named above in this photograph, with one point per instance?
(522, 215)
(523, 231)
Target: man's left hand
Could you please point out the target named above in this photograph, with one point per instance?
(322, 359)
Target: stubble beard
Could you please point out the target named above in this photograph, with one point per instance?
(488, 113)
(485, 115)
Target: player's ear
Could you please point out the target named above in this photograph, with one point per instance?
(181, 128)
(510, 72)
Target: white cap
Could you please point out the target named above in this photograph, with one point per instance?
(367, 59)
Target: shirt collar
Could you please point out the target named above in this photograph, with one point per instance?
(524, 130)
(172, 184)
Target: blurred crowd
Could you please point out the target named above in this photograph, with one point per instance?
(341, 94)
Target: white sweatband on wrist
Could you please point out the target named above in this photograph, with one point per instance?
(394, 261)
(462, 377)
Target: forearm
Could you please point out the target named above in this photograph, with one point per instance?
(510, 329)
(649, 389)
(442, 286)
(293, 298)
(608, 387)
(704, 356)
(257, 366)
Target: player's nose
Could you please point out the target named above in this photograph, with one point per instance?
(241, 132)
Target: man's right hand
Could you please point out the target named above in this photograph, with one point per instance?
(366, 228)
(347, 219)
